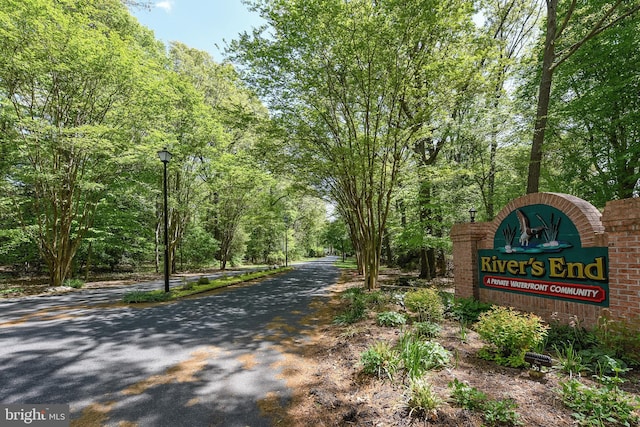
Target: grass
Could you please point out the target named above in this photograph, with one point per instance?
(193, 288)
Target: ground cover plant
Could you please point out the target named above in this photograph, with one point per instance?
(364, 373)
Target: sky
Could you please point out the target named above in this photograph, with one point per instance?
(200, 24)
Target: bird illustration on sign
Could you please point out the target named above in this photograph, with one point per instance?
(530, 236)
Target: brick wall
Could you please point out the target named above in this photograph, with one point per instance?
(618, 227)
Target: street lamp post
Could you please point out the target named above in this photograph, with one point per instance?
(165, 156)
(286, 240)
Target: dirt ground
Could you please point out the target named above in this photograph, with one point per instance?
(330, 388)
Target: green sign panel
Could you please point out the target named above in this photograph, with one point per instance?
(537, 251)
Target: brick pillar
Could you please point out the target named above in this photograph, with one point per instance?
(621, 220)
(465, 238)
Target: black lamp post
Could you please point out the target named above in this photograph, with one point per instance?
(165, 156)
(286, 240)
(472, 214)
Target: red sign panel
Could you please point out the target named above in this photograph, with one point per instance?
(574, 291)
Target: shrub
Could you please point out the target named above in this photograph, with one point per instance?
(620, 337)
(380, 359)
(509, 334)
(422, 399)
(203, 281)
(468, 310)
(419, 356)
(600, 406)
(426, 303)
(427, 329)
(356, 308)
(391, 318)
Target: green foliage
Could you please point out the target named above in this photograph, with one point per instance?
(391, 318)
(422, 399)
(573, 334)
(419, 356)
(509, 334)
(468, 310)
(600, 406)
(466, 396)
(74, 283)
(380, 359)
(426, 303)
(203, 281)
(501, 412)
(427, 329)
(620, 337)
(570, 360)
(135, 297)
(356, 307)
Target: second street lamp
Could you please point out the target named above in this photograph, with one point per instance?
(165, 156)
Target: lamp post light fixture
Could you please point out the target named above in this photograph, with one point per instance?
(165, 156)
(472, 214)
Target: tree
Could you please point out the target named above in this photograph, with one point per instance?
(560, 44)
(337, 75)
(67, 73)
(595, 109)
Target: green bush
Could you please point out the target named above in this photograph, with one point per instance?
(419, 356)
(509, 334)
(426, 303)
(380, 359)
(391, 318)
(203, 281)
(620, 337)
(468, 310)
(600, 406)
(356, 307)
(422, 399)
(427, 329)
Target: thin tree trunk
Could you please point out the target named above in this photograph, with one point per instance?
(544, 94)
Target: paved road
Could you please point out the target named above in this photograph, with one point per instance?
(198, 362)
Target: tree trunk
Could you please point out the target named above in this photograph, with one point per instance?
(544, 93)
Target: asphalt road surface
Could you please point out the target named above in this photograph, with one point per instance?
(204, 361)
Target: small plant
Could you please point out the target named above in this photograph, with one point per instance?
(501, 413)
(427, 329)
(509, 334)
(466, 396)
(419, 356)
(422, 399)
(570, 360)
(203, 281)
(74, 283)
(426, 303)
(391, 318)
(463, 331)
(356, 308)
(600, 406)
(380, 359)
(620, 336)
(494, 412)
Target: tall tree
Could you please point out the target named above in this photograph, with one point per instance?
(564, 36)
(337, 75)
(67, 72)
